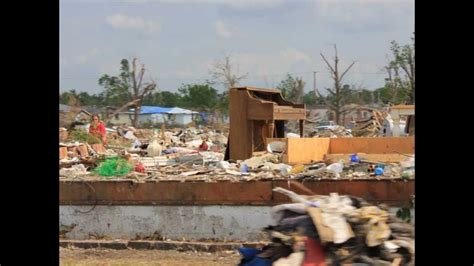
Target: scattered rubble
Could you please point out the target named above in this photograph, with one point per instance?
(339, 131)
(197, 154)
(335, 230)
(370, 127)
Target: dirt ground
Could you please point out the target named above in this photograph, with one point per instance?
(129, 257)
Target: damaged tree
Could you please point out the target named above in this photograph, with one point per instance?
(223, 72)
(401, 72)
(292, 88)
(128, 88)
(337, 102)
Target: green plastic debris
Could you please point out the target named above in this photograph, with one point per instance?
(114, 166)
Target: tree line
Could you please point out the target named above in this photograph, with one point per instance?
(129, 89)
(199, 97)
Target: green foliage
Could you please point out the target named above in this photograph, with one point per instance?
(310, 99)
(286, 85)
(68, 98)
(401, 73)
(223, 102)
(84, 137)
(389, 94)
(170, 99)
(292, 89)
(199, 97)
(117, 88)
(163, 98)
(116, 94)
(90, 100)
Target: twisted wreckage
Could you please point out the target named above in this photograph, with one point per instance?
(333, 230)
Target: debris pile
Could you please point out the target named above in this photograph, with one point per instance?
(193, 154)
(370, 127)
(335, 230)
(339, 131)
(177, 154)
(358, 170)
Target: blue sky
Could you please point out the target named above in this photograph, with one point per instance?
(179, 40)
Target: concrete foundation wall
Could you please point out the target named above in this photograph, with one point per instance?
(175, 222)
(241, 223)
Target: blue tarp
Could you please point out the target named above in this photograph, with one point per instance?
(153, 110)
(249, 257)
(163, 110)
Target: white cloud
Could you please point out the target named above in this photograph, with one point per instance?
(222, 30)
(238, 4)
(357, 15)
(120, 21)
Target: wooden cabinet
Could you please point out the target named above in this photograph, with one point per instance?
(255, 115)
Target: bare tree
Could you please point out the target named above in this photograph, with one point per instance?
(137, 91)
(338, 97)
(223, 72)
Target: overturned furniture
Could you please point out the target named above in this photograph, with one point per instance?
(255, 115)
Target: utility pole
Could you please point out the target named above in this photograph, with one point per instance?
(314, 84)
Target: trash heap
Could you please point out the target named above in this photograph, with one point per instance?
(176, 154)
(333, 230)
(193, 154)
(357, 168)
